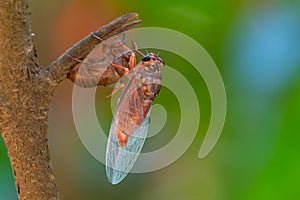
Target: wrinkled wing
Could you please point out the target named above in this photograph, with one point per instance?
(120, 160)
(96, 62)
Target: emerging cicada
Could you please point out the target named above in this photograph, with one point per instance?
(129, 125)
(130, 120)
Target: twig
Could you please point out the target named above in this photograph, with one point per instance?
(60, 67)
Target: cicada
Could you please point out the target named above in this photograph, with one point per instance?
(109, 62)
(129, 126)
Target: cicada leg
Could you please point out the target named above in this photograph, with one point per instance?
(126, 70)
(132, 64)
(122, 86)
(77, 60)
(132, 61)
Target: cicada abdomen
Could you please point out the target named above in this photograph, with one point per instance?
(96, 68)
(130, 121)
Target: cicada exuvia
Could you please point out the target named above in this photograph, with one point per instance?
(96, 69)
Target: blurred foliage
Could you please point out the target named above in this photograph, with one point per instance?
(253, 44)
(7, 185)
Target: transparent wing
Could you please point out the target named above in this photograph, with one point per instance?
(99, 59)
(120, 160)
(129, 118)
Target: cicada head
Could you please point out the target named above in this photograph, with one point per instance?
(152, 59)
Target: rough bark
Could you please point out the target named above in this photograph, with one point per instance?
(26, 90)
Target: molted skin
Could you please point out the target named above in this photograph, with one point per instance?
(88, 78)
(98, 66)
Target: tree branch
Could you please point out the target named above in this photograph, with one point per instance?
(24, 103)
(26, 91)
(60, 67)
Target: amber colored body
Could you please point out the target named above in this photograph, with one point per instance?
(143, 87)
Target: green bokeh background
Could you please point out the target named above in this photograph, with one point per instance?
(255, 45)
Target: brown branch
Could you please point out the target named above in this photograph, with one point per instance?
(24, 103)
(60, 67)
(26, 91)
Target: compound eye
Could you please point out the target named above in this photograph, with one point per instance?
(146, 58)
